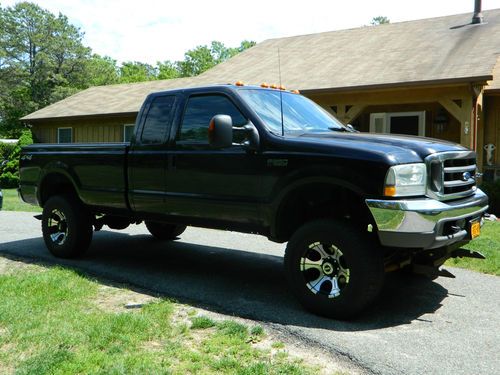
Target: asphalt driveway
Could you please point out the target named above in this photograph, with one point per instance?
(447, 326)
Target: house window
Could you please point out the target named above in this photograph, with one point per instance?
(64, 135)
(409, 123)
(128, 130)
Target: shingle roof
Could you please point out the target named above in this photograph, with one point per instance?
(435, 49)
(107, 100)
(494, 85)
(428, 50)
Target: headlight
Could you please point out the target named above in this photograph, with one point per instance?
(406, 180)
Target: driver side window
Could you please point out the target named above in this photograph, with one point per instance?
(200, 110)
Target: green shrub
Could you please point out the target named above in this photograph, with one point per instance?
(5, 150)
(9, 173)
(492, 189)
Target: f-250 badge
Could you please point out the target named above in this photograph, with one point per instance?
(277, 162)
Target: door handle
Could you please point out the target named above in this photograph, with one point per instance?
(171, 162)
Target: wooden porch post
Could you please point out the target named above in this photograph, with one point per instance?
(463, 113)
(480, 131)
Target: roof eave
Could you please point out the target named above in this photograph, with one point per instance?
(78, 117)
(395, 85)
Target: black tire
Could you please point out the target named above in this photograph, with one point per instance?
(355, 265)
(165, 231)
(66, 226)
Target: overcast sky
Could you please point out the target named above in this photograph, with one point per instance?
(158, 30)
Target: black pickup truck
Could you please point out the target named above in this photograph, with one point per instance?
(352, 206)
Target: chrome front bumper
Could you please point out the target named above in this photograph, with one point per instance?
(425, 223)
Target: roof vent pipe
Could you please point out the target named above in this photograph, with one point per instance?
(478, 15)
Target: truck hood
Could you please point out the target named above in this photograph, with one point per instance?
(396, 149)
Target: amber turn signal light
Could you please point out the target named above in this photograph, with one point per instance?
(390, 191)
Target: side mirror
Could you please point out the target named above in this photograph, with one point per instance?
(252, 137)
(351, 128)
(220, 131)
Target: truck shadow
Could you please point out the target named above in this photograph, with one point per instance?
(234, 282)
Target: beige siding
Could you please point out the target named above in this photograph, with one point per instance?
(84, 130)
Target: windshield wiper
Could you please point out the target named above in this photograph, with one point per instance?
(348, 128)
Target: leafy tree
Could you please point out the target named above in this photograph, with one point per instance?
(101, 71)
(380, 20)
(167, 70)
(136, 72)
(202, 58)
(41, 59)
(246, 44)
(196, 61)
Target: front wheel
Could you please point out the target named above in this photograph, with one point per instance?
(66, 226)
(333, 269)
(165, 231)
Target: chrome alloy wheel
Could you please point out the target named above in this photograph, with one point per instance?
(58, 227)
(324, 269)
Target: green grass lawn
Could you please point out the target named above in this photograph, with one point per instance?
(12, 202)
(488, 243)
(51, 323)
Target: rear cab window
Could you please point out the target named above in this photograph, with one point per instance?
(158, 120)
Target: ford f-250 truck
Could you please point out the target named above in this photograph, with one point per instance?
(351, 205)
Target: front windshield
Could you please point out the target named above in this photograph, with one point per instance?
(300, 115)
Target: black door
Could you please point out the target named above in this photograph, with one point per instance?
(206, 183)
(404, 125)
(148, 156)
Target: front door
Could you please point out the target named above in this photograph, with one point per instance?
(206, 183)
(409, 123)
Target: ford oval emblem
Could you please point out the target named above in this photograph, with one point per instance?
(466, 176)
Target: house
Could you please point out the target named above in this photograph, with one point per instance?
(437, 77)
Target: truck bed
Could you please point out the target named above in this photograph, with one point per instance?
(98, 170)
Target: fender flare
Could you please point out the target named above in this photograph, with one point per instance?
(278, 203)
(57, 168)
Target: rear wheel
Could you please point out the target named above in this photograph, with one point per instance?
(333, 269)
(66, 226)
(165, 231)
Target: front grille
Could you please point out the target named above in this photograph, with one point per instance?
(451, 175)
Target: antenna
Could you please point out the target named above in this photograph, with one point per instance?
(281, 95)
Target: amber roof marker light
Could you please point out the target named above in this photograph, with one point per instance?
(239, 83)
